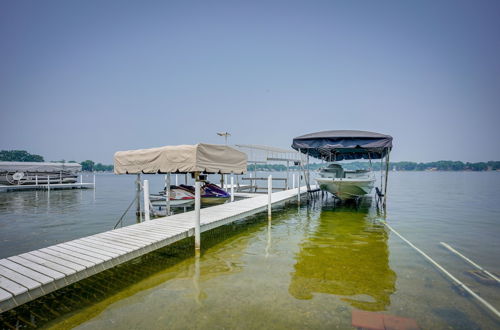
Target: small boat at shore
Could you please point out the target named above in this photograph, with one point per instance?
(211, 194)
(179, 197)
(345, 184)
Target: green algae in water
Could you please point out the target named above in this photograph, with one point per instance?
(346, 255)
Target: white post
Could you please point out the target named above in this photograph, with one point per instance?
(81, 178)
(293, 181)
(287, 174)
(167, 193)
(146, 200)
(269, 193)
(94, 182)
(48, 182)
(36, 180)
(232, 187)
(225, 181)
(176, 180)
(197, 206)
(298, 190)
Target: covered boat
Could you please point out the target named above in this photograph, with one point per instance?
(28, 173)
(333, 146)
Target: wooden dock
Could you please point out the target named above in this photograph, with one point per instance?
(34, 274)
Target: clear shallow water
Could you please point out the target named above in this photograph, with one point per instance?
(309, 267)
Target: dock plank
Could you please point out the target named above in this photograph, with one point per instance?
(11, 286)
(19, 278)
(39, 277)
(42, 269)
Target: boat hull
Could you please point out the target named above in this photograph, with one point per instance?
(345, 189)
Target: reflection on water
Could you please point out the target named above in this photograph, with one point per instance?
(346, 255)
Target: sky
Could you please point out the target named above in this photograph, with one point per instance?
(83, 79)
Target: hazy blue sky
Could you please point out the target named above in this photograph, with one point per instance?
(82, 79)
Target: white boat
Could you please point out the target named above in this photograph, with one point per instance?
(345, 184)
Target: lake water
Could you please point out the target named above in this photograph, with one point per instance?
(307, 268)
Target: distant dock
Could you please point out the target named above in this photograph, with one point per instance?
(56, 186)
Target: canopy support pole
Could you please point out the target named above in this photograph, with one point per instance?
(167, 193)
(138, 197)
(232, 187)
(386, 177)
(197, 207)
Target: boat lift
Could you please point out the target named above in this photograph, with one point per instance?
(198, 160)
(348, 145)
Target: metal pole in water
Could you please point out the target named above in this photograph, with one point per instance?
(176, 180)
(225, 181)
(36, 180)
(293, 181)
(94, 180)
(48, 182)
(81, 178)
(197, 206)
(232, 187)
(167, 194)
(146, 200)
(386, 177)
(269, 193)
(470, 261)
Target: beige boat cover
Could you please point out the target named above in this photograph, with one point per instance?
(208, 158)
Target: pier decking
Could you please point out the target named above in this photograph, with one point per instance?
(31, 275)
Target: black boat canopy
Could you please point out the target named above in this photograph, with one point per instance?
(341, 145)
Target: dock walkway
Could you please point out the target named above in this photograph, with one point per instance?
(31, 275)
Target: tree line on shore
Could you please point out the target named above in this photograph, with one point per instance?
(442, 165)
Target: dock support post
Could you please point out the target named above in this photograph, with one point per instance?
(293, 181)
(287, 174)
(48, 182)
(81, 178)
(176, 180)
(167, 193)
(146, 200)
(225, 181)
(269, 194)
(197, 206)
(298, 190)
(232, 187)
(36, 180)
(94, 181)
